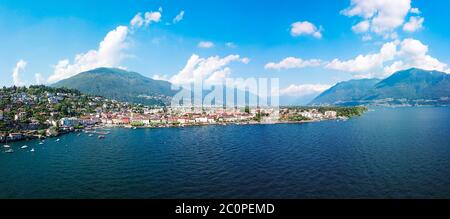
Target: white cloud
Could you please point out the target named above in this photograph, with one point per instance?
(205, 44)
(305, 28)
(292, 62)
(392, 57)
(110, 51)
(245, 60)
(20, 66)
(140, 20)
(414, 53)
(382, 16)
(108, 54)
(361, 27)
(211, 70)
(178, 18)
(39, 79)
(303, 89)
(137, 20)
(414, 24)
(415, 11)
(366, 63)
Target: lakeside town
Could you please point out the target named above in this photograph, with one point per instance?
(41, 112)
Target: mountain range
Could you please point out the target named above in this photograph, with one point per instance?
(412, 86)
(120, 85)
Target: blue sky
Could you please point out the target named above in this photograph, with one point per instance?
(319, 42)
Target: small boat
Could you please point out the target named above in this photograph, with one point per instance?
(24, 147)
(134, 127)
(57, 140)
(90, 135)
(41, 143)
(101, 137)
(32, 150)
(79, 135)
(9, 151)
(6, 146)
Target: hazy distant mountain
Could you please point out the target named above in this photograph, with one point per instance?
(412, 86)
(348, 91)
(120, 85)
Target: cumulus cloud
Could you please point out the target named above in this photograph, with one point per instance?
(305, 28)
(108, 54)
(211, 70)
(39, 79)
(414, 53)
(366, 63)
(205, 44)
(20, 67)
(381, 17)
(361, 27)
(393, 56)
(304, 89)
(292, 62)
(145, 19)
(178, 18)
(414, 24)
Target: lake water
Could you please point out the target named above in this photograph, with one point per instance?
(387, 153)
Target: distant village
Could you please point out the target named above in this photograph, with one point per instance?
(40, 112)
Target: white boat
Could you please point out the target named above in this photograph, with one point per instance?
(32, 150)
(90, 135)
(9, 151)
(6, 146)
(57, 140)
(23, 147)
(41, 143)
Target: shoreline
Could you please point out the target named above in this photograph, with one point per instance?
(93, 129)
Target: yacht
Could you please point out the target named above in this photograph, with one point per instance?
(9, 151)
(23, 147)
(41, 143)
(6, 146)
(32, 150)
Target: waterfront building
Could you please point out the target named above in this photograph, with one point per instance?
(69, 122)
(330, 114)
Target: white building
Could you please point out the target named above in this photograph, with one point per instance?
(330, 114)
(201, 120)
(69, 121)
